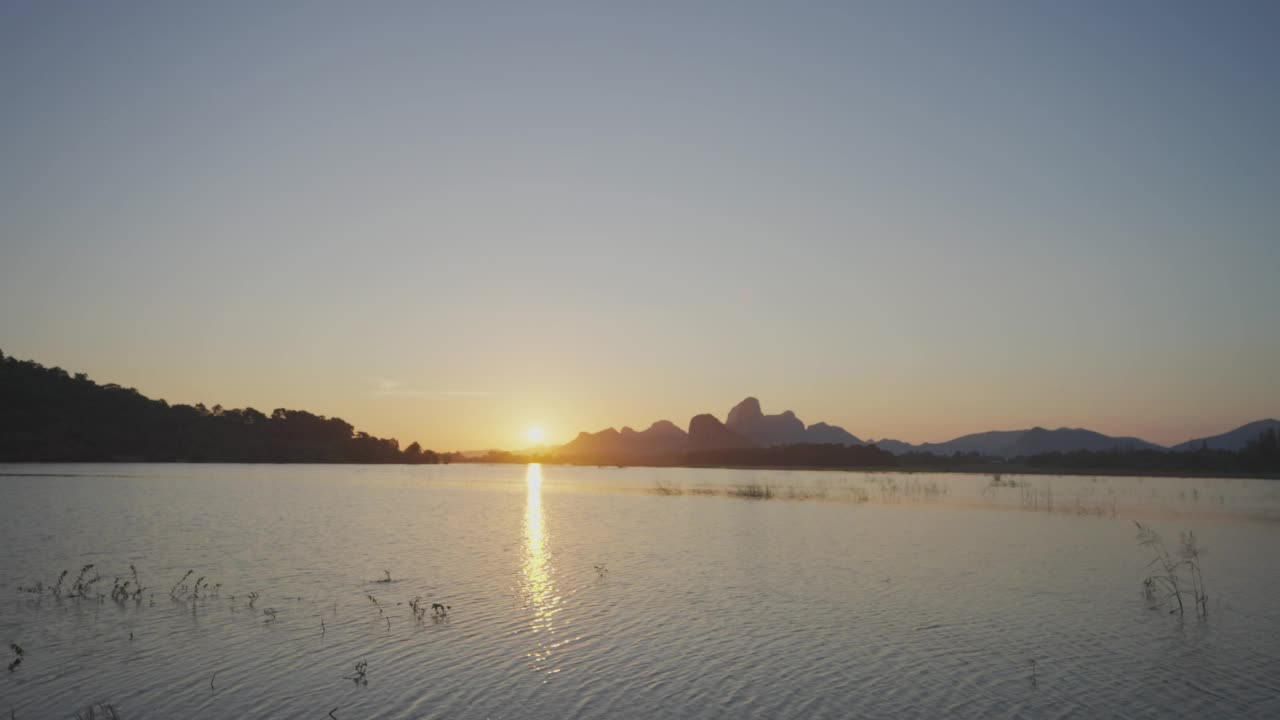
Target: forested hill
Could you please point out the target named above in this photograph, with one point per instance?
(49, 415)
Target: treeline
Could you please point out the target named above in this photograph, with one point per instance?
(1260, 457)
(798, 456)
(48, 415)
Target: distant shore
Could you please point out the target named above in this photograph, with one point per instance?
(967, 469)
(993, 469)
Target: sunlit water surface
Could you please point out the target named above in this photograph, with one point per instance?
(844, 595)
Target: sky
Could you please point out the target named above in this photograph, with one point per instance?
(453, 222)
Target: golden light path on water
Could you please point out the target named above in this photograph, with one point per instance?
(539, 589)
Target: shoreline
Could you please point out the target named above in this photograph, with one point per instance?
(900, 469)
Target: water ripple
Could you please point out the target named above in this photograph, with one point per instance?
(821, 607)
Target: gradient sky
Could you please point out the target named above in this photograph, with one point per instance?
(451, 222)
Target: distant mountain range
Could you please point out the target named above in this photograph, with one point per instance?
(747, 426)
(1233, 440)
(748, 420)
(1012, 443)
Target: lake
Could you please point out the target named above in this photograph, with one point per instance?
(839, 595)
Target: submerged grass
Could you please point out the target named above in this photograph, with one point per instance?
(17, 656)
(359, 676)
(1173, 576)
(757, 491)
(197, 596)
(752, 491)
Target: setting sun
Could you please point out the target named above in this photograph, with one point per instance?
(535, 435)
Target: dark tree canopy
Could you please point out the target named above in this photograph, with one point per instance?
(48, 415)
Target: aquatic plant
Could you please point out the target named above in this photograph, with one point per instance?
(17, 656)
(998, 481)
(1034, 498)
(81, 588)
(37, 589)
(416, 606)
(119, 593)
(173, 592)
(753, 491)
(137, 585)
(253, 598)
(919, 489)
(663, 488)
(271, 615)
(601, 569)
(83, 584)
(386, 578)
(1169, 575)
(438, 610)
(359, 676)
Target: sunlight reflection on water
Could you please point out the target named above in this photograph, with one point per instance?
(539, 589)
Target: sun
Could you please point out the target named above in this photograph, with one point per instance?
(535, 435)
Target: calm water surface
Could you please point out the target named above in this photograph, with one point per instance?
(845, 595)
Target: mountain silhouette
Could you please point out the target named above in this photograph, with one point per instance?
(748, 420)
(1012, 443)
(607, 440)
(897, 447)
(1233, 440)
(747, 426)
(706, 432)
(824, 434)
(662, 437)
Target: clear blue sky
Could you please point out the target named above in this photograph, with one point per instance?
(451, 222)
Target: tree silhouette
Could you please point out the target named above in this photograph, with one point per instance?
(48, 415)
